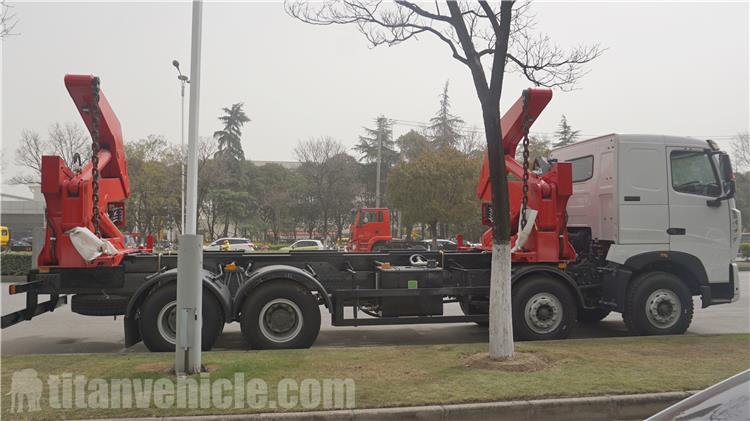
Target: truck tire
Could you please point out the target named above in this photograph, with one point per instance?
(157, 320)
(592, 315)
(99, 304)
(543, 309)
(658, 303)
(280, 315)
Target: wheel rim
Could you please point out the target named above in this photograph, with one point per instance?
(166, 322)
(280, 320)
(543, 313)
(663, 308)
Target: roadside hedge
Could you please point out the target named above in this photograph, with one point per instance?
(15, 263)
(745, 250)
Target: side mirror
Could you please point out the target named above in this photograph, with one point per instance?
(727, 181)
(725, 165)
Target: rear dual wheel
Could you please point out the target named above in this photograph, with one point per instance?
(158, 320)
(279, 315)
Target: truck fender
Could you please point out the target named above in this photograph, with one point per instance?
(683, 265)
(219, 291)
(276, 272)
(525, 271)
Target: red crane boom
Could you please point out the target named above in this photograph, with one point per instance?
(69, 194)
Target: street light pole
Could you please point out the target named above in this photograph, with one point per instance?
(183, 80)
(190, 258)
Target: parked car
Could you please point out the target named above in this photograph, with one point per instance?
(726, 400)
(227, 244)
(305, 245)
(441, 244)
(19, 245)
(4, 237)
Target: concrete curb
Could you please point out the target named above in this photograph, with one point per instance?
(608, 407)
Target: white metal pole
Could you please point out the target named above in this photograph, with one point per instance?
(190, 258)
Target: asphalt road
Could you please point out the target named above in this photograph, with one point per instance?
(67, 332)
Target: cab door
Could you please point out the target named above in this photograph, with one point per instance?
(698, 226)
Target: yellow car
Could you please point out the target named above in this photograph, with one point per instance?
(4, 237)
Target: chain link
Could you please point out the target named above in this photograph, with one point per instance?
(95, 112)
(525, 197)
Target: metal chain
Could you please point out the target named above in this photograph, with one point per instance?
(525, 197)
(94, 110)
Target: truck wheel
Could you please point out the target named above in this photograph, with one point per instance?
(279, 315)
(158, 320)
(592, 315)
(543, 309)
(658, 303)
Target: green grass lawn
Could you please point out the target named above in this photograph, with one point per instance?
(421, 375)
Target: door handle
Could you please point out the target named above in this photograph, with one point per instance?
(676, 231)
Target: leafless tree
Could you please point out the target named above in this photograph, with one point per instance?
(320, 170)
(69, 139)
(8, 20)
(485, 40)
(65, 140)
(741, 150)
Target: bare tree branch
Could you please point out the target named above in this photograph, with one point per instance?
(8, 20)
(531, 55)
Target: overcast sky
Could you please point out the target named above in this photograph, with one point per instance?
(670, 68)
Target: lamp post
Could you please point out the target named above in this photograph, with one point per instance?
(183, 80)
(190, 259)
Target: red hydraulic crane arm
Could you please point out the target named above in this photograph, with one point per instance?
(110, 133)
(69, 195)
(511, 125)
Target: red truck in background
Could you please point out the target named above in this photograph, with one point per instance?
(371, 231)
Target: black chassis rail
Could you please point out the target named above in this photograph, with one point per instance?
(348, 278)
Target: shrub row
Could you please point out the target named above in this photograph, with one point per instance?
(15, 263)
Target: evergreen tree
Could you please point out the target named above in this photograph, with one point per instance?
(565, 134)
(368, 144)
(445, 127)
(229, 138)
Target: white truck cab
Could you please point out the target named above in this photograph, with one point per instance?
(662, 205)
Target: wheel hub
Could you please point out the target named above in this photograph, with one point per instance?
(543, 313)
(166, 322)
(280, 320)
(663, 308)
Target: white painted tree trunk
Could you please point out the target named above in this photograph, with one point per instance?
(501, 310)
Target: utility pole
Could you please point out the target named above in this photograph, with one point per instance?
(381, 128)
(190, 259)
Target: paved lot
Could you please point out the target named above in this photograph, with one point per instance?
(66, 332)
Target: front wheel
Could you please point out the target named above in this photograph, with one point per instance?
(543, 309)
(658, 303)
(279, 315)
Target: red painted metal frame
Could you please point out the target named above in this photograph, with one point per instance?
(69, 194)
(548, 194)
